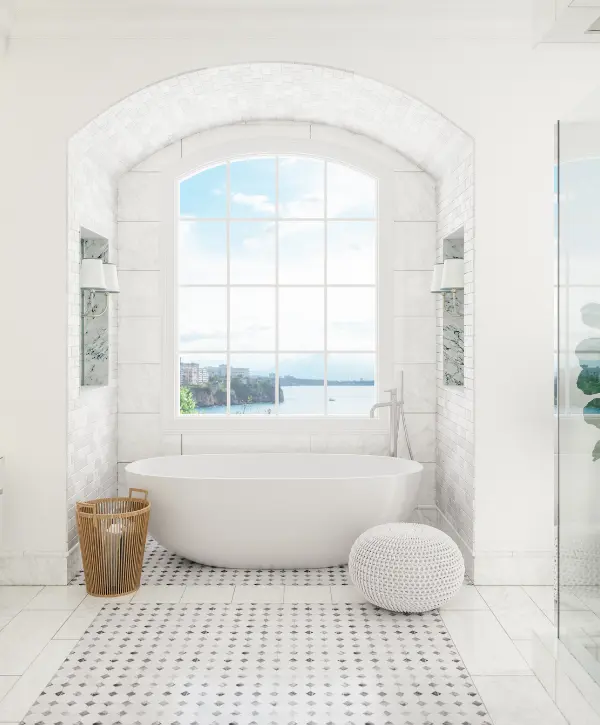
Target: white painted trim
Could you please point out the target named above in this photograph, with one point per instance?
(33, 568)
(289, 138)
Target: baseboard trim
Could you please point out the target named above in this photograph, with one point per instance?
(444, 524)
(74, 563)
(33, 568)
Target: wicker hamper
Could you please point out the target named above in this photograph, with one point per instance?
(112, 535)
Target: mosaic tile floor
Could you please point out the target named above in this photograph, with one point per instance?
(162, 567)
(261, 664)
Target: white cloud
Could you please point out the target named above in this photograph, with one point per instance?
(256, 202)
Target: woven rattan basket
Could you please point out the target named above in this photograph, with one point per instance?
(112, 535)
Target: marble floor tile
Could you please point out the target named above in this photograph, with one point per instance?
(56, 597)
(158, 593)
(524, 622)
(23, 694)
(77, 624)
(307, 594)
(484, 646)
(14, 598)
(342, 593)
(6, 682)
(25, 636)
(518, 701)
(207, 593)
(543, 596)
(262, 663)
(273, 594)
(504, 597)
(467, 598)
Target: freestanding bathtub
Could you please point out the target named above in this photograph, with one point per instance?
(272, 510)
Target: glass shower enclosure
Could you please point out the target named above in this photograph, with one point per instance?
(577, 390)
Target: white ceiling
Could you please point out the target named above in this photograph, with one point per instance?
(566, 21)
(406, 18)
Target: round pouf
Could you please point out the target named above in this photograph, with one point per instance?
(406, 567)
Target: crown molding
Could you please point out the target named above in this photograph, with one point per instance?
(144, 19)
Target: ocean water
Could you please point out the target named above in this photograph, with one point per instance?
(309, 400)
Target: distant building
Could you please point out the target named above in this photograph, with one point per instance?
(220, 371)
(192, 374)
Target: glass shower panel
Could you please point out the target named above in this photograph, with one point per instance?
(577, 390)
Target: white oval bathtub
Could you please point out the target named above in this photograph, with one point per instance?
(272, 510)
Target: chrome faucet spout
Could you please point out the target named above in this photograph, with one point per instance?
(378, 405)
(396, 406)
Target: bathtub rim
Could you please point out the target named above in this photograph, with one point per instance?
(416, 468)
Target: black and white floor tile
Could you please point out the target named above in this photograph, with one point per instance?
(261, 664)
(162, 567)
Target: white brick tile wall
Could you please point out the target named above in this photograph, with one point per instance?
(92, 420)
(141, 304)
(142, 131)
(455, 424)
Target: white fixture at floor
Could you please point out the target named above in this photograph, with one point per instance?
(272, 510)
(406, 567)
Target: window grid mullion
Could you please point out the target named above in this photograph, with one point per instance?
(228, 226)
(325, 301)
(277, 285)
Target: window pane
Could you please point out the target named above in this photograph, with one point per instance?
(351, 252)
(301, 252)
(351, 318)
(253, 188)
(203, 318)
(202, 253)
(252, 318)
(203, 384)
(253, 384)
(301, 380)
(204, 194)
(350, 193)
(301, 318)
(350, 383)
(301, 187)
(252, 252)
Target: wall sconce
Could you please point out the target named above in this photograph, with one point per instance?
(453, 275)
(436, 280)
(449, 277)
(97, 276)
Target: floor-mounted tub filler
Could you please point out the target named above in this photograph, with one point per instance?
(273, 510)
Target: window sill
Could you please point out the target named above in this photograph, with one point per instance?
(275, 424)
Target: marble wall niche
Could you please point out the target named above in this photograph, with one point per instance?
(94, 329)
(453, 335)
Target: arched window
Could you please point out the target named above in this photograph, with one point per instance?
(277, 299)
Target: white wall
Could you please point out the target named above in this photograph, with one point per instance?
(487, 79)
(455, 485)
(142, 227)
(92, 411)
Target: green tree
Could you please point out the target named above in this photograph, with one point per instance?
(187, 404)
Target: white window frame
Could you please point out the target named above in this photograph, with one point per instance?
(240, 143)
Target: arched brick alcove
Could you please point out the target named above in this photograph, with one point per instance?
(154, 117)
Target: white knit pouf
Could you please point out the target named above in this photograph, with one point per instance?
(406, 567)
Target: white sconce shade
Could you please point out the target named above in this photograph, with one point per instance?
(91, 275)
(112, 280)
(436, 280)
(453, 275)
